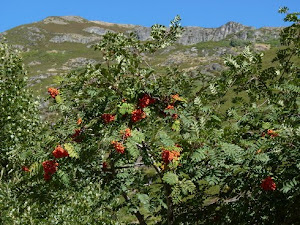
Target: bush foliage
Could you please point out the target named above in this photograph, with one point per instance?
(130, 145)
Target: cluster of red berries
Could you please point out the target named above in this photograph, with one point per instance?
(59, 152)
(170, 107)
(126, 133)
(176, 98)
(25, 168)
(50, 167)
(75, 136)
(268, 184)
(271, 133)
(53, 92)
(145, 101)
(104, 165)
(168, 156)
(118, 146)
(107, 118)
(137, 115)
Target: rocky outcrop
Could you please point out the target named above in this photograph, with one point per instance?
(38, 79)
(193, 35)
(64, 20)
(79, 62)
(34, 34)
(107, 24)
(142, 33)
(76, 38)
(76, 19)
(97, 30)
(34, 63)
(54, 20)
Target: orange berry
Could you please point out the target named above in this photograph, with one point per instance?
(272, 133)
(108, 117)
(146, 100)
(126, 133)
(170, 107)
(118, 146)
(79, 121)
(25, 168)
(59, 152)
(53, 92)
(137, 115)
(174, 116)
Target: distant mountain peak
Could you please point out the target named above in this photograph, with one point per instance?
(64, 20)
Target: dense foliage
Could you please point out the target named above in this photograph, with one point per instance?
(127, 140)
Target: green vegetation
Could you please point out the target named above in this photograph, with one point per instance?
(131, 144)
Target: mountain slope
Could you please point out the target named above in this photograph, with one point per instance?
(56, 45)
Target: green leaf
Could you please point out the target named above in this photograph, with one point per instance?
(58, 99)
(137, 136)
(290, 185)
(165, 139)
(216, 118)
(266, 125)
(71, 150)
(176, 125)
(198, 155)
(170, 178)
(144, 199)
(132, 148)
(126, 108)
(63, 177)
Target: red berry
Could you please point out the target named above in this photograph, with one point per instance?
(145, 101)
(53, 92)
(59, 152)
(268, 184)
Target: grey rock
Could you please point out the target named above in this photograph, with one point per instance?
(21, 48)
(79, 62)
(34, 63)
(168, 49)
(55, 20)
(97, 30)
(37, 79)
(76, 38)
(76, 19)
(193, 52)
(194, 49)
(193, 35)
(33, 34)
(107, 24)
(142, 33)
(34, 29)
(215, 66)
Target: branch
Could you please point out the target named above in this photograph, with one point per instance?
(138, 215)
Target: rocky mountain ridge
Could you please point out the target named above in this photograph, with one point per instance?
(57, 44)
(191, 35)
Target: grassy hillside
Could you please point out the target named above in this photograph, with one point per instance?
(56, 45)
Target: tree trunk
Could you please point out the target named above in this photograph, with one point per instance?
(170, 214)
(138, 215)
(140, 218)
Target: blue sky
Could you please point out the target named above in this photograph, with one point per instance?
(204, 13)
